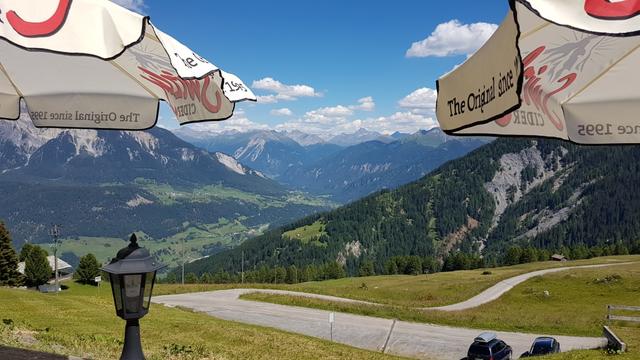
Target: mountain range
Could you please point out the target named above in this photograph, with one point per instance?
(362, 169)
(343, 168)
(103, 185)
(543, 194)
(107, 184)
(268, 151)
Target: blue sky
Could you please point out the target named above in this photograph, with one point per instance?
(330, 66)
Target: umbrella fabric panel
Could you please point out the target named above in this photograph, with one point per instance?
(191, 99)
(97, 27)
(485, 86)
(618, 17)
(123, 93)
(9, 98)
(94, 64)
(608, 110)
(576, 86)
(77, 91)
(189, 65)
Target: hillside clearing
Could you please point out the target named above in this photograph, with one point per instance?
(307, 234)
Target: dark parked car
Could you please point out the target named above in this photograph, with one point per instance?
(488, 347)
(543, 346)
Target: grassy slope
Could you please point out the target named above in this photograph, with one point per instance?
(82, 321)
(409, 291)
(630, 335)
(432, 290)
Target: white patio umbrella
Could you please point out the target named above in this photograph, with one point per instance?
(561, 69)
(95, 64)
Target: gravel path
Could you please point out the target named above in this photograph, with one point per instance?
(420, 341)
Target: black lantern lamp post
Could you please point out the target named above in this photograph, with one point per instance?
(132, 275)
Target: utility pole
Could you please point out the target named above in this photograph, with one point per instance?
(242, 266)
(183, 260)
(276, 254)
(54, 232)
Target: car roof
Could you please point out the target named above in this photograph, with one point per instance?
(489, 344)
(485, 337)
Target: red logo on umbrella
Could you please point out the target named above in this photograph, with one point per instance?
(44, 28)
(181, 89)
(532, 92)
(612, 9)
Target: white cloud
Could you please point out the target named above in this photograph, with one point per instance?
(365, 104)
(135, 5)
(331, 112)
(421, 100)
(453, 38)
(408, 122)
(330, 121)
(282, 91)
(239, 122)
(281, 112)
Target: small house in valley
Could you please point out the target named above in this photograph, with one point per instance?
(558, 257)
(65, 271)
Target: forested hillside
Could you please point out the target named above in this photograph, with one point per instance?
(512, 193)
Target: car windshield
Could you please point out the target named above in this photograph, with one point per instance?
(541, 347)
(479, 350)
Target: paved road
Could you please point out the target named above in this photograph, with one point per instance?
(504, 286)
(420, 341)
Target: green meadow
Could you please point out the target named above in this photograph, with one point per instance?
(193, 240)
(81, 321)
(308, 234)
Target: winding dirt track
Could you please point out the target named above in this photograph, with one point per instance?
(504, 286)
(422, 341)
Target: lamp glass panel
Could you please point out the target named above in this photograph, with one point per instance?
(117, 291)
(132, 290)
(148, 288)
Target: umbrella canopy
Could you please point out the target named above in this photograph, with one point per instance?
(95, 64)
(560, 69)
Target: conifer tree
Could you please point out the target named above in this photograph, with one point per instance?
(24, 252)
(367, 268)
(37, 270)
(9, 275)
(88, 269)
